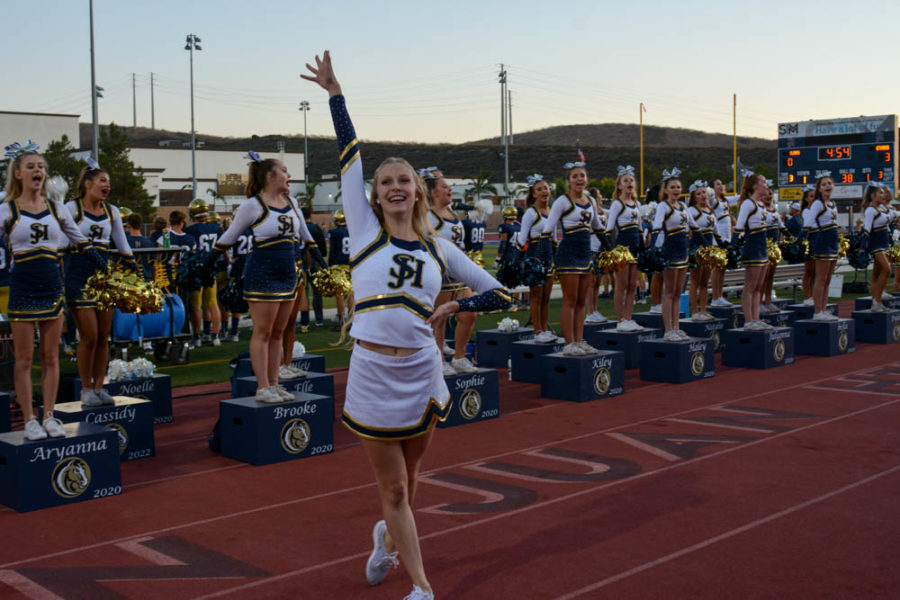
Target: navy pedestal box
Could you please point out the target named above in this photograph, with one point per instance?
(81, 466)
(677, 362)
(321, 384)
(157, 389)
(626, 342)
(782, 303)
(261, 434)
(583, 378)
(494, 346)
(865, 303)
(803, 311)
(779, 319)
(651, 320)
(526, 359)
(729, 313)
(877, 328)
(705, 329)
(308, 362)
(758, 349)
(474, 397)
(130, 418)
(592, 328)
(824, 338)
(4, 412)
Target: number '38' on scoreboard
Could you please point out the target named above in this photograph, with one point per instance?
(856, 150)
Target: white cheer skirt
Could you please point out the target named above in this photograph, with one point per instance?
(395, 397)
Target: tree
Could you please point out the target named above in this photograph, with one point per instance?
(480, 186)
(126, 180)
(60, 160)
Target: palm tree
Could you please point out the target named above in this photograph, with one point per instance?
(480, 186)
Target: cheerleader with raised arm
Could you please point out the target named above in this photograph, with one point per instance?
(876, 239)
(538, 243)
(395, 388)
(575, 212)
(705, 235)
(809, 265)
(100, 222)
(448, 226)
(822, 219)
(270, 275)
(625, 219)
(35, 224)
(670, 228)
(774, 227)
(722, 209)
(751, 227)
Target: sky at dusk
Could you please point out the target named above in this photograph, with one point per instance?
(427, 71)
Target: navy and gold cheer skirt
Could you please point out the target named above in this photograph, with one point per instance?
(675, 248)
(35, 290)
(630, 237)
(270, 274)
(573, 256)
(78, 269)
(541, 249)
(825, 244)
(754, 252)
(879, 241)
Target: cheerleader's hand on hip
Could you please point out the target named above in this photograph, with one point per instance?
(442, 312)
(323, 74)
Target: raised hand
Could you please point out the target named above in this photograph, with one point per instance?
(323, 74)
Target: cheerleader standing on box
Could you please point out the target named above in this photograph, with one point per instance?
(448, 226)
(809, 265)
(539, 245)
(722, 209)
(35, 224)
(575, 212)
(625, 218)
(705, 235)
(101, 223)
(774, 226)
(270, 277)
(598, 279)
(822, 217)
(670, 227)
(877, 239)
(395, 388)
(751, 227)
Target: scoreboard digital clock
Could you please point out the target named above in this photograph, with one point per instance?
(856, 150)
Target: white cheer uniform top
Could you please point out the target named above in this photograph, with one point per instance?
(100, 230)
(39, 235)
(751, 217)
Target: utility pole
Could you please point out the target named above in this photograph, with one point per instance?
(95, 129)
(152, 111)
(193, 43)
(133, 102)
(504, 137)
(304, 106)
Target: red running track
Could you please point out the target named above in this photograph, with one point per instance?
(753, 484)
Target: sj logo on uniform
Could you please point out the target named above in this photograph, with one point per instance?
(408, 267)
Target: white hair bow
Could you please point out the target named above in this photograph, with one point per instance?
(697, 185)
(626, 170)
(675, 173)
(15, 150)
(428, 172)
(822, 173)
(533, 179)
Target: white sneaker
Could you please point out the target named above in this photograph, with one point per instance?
(545, 337)
(34, 431)
(587, 348)
(463, 365)
(773, 310)
(878, 307)
(448, 370)
(634, 326)
(763, 309)
(447, 350)
(268, 395)
(53, 427)
(290, 372)
(763, 325)
(595, 317)
(624, 325)
(572, 349)
(752, 325)
(105, 397)
(197, 343)
(671, 336)
(698, 317)
(216, 341)
(90, 398)
(809, 302)
(821, 316)
(656, 309)
(283, 393)
(380, 560)
(418, 593)
(721, 302)
(886, 296)
(234, 338)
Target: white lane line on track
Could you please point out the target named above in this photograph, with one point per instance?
(724, 536)
(359, 487)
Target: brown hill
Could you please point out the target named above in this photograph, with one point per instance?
(545, 151)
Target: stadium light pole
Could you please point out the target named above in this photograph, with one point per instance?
(304, 107)
(95, 128)
(192, 42)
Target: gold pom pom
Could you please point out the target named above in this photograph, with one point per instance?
(476, 257)
(613, 261)
(773, 251)
(843, 246)
(712, 257)
(333, 281)
(893, 254)
(126, 291)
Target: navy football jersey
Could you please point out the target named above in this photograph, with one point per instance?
(338, 246)
(474, 234)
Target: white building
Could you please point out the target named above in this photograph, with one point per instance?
(42, 128)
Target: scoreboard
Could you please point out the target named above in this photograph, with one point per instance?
(856, 150)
